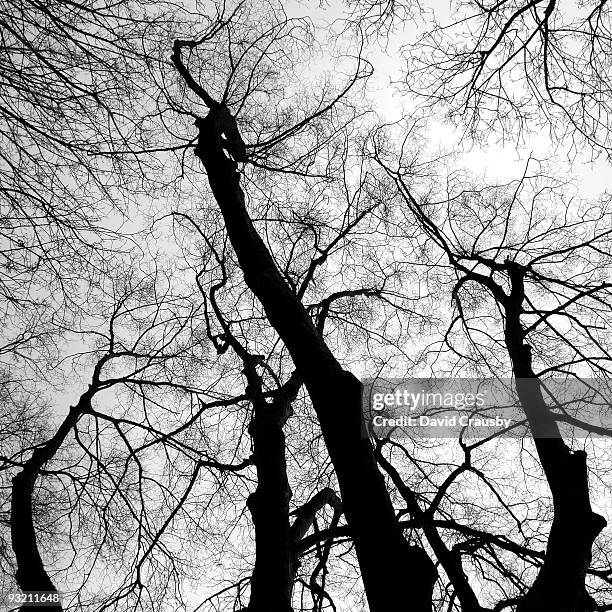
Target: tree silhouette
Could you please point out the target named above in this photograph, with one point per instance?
(210, 237)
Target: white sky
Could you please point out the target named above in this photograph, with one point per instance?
(496, 161)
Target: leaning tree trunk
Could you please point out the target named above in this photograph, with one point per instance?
(396, 576)
(31, 574)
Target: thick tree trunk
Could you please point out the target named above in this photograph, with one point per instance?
(560, 584)
(272, 580)
(31, 574)
(396, 575)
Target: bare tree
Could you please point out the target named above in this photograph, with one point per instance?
(514, 67)
(365, 500)
(215, 451)
(506, 249)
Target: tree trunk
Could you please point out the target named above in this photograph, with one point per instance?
(396, 576)
(272, 580)
(560, 584)
(31, 574)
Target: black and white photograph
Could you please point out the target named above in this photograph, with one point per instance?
(306, 306)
